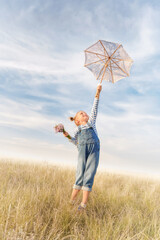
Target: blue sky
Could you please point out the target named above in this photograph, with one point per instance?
(43, 81)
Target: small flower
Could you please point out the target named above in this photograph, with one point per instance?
(59, 128)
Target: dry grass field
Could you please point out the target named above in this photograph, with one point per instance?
(34, 205)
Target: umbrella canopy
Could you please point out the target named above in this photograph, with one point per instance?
(108, 61)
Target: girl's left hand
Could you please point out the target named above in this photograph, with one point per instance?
(65, 134)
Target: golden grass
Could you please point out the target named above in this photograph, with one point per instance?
(34, 205)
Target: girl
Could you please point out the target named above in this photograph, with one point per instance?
(87, 141)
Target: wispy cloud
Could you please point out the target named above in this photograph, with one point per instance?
(145, 43)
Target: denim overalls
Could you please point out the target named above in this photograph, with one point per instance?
(88, 159)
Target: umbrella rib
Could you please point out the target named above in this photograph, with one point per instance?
(100, 72)
(103, 72)
(120, 68)
(114, 67)
(101, 58)
(120, 59)
(115, 51)
(95, 53)
(103, 47)
(111, 73)
(93, 62)
(106, 65)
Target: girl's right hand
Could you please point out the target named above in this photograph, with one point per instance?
(99, 87)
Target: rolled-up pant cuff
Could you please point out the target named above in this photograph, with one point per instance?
(82, 187)
(86, 188)
(77, 187)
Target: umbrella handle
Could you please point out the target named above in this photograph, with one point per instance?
(101, 81)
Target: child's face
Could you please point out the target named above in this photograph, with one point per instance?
(81, 118)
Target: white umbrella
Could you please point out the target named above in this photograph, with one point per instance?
(108, 61)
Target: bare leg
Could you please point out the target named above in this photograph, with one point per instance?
(85, 196)
(74, 194)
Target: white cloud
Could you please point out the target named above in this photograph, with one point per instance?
(24, 115)
(33, 59)
(145, 24)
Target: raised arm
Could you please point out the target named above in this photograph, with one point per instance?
(94, 110)
(99, 88)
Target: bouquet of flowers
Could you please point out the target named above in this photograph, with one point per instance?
(60, 128)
